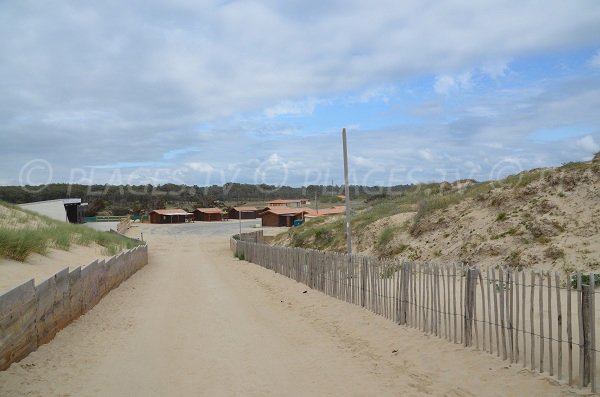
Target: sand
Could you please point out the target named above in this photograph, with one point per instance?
(198, 322)
(41, 267)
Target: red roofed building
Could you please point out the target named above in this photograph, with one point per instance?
(246, 212)
(208, 214)
(169, 216)
(282, 217)
(288, 203)
(340, 209)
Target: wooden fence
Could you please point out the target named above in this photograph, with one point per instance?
(540, 319)
(31, 315)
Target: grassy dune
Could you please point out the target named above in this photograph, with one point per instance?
(23, 232)
(543, 217)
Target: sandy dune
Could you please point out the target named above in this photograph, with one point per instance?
(197, 322)
(41, 267)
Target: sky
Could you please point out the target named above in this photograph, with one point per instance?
(210, 92)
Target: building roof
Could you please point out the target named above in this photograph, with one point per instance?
(280, 201)
(340, 209)
(68, 201)
(286, 210)
(238, 209)
(210, 210)
(172, 212)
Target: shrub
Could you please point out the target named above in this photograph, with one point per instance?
(554, 253)
(501, 217)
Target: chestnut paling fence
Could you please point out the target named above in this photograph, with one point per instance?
(542, 320)
(31, 315)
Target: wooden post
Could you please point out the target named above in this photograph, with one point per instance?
(425, 298)
(509, 291)
(502, 322)
(462, 313)
(495, 288)
(581, 332)
(489, 303)
(444, 308)
(559, 314)
(532, 323)
(474, 303)
(415, 296)
(363, 282)
(569, 330)
(466, 317)
(454, 300)
(439, 301)
(541, 304)
(347, 192)
(448, 309)
(593, 331)
(586, 308)
(550, 355)
(484, 318)
(517, 306)
(523, 288)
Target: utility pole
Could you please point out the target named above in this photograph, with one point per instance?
(240, 218)
(347, 191)
(316, 202)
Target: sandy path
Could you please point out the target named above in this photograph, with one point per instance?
(196, 321)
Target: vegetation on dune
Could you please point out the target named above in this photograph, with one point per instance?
(517, 220)
(23, 232)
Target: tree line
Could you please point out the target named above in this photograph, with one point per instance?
(136, 199)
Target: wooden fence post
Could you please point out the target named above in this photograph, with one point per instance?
(587, 294)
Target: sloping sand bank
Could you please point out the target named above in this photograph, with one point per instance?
(197, 322)
(41, 267)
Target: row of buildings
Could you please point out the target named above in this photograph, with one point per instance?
(278, 213)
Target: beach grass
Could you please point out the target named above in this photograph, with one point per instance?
(23, 233)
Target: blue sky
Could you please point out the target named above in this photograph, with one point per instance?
(207, 92)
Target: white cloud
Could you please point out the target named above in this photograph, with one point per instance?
(378, 93)
(426, 154)
(361, 161)
(587, 144)
(495, 69)
(481, 111)
(595, 60)
(200, 167)
(291, 108)
(445, 84)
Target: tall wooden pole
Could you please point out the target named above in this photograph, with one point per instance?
(240, 218)
(347, 191)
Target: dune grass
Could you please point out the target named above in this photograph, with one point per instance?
(23, 233)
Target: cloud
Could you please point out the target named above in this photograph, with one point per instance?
(494, 69)
(200, 167)
(588, 144)
(595, 60)
(445, 84)
(111, 84)
(377, 93)
(426, 154)
(291, 108)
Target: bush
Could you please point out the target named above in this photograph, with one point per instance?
(554, 253)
